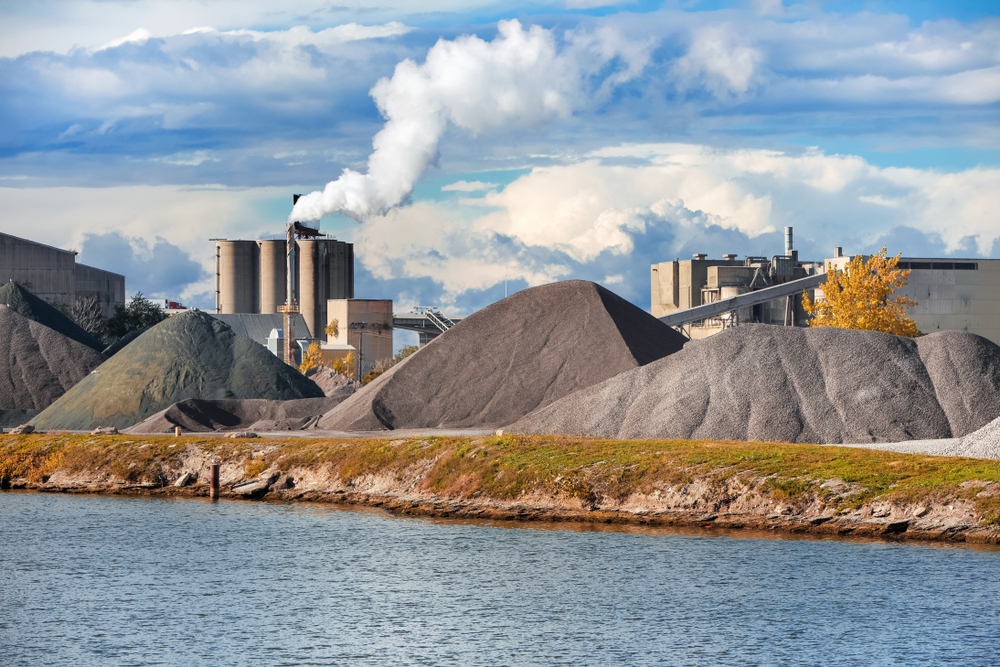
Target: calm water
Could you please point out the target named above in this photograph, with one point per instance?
(125, 581)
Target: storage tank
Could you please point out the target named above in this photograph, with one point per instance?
(236, 276)
(272, 275)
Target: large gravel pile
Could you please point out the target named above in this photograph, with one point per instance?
(190, 355)
(30, 306)
(231, 414)
(510, 358)
(760, 382)
(38, 364)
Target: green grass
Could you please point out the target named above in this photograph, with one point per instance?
(507, 467)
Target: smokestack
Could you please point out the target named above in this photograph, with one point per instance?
(788, 241)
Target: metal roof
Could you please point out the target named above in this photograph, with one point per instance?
(258, 326)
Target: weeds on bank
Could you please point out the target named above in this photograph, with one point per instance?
(509, 466)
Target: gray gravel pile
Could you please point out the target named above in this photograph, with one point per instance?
(30, 306)
(189, 355)
(228, 414)
(508, 359)
(38, 364)
(769, 383)
(331, 382)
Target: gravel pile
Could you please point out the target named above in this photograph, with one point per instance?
(331, 382)
(38, 364)
(229, 414)
(190, 355)
(508, 359)
(30, 306)
(770, 383)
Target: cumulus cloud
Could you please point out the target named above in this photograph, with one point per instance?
(605, 221)
(523, 77)
(159, 269)
(719, 62)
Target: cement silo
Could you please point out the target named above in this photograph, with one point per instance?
(272, 275)
(236, 270)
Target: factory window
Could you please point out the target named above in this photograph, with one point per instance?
(921, 265)
(966, 266)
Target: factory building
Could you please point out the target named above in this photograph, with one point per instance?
(250, 277)
(365, 328)
(951, 294)
(684, 284)
(55, 276)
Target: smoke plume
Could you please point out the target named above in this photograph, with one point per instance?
(522, 77)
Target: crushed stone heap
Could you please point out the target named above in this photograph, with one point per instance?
(30, 306)
(773, 383)
(38, 364)
(190, 355)
(508, 359)
(235, 414)
(331, 382)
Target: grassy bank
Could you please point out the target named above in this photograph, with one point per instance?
(511, 467)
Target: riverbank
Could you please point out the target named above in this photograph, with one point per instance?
(731, 485)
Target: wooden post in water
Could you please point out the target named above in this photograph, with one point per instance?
(214, 480)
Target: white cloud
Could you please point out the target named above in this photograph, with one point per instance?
(137, 36)
(718, 61)
(466, 186)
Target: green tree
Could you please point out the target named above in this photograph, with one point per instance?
(405, 352)
(138, 314)
(859, 298)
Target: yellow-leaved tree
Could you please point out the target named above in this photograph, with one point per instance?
(311, 358)
(859, 298)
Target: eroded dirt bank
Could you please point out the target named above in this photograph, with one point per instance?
(769, 486)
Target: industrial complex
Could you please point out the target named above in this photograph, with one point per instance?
(703, 296)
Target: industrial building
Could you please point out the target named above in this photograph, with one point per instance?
(364, 328)
(951, 294)
(250, 277)
(681, 285)
(55, 276)
(702, 296)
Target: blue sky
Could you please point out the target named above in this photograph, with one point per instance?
(517, 142)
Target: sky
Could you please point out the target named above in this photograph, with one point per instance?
(471, 149)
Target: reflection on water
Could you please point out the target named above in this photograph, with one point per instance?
(107, 580)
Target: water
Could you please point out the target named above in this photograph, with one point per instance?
(133, 581)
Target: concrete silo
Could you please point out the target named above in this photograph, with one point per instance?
(272, 275)
(236, 271)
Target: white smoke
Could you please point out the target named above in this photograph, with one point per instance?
(522, 77)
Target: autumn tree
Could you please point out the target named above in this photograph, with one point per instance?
(345, 366)
(861, 297)
(311, 358)
(333, 328)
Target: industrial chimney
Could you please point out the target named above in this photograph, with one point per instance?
(789, 247)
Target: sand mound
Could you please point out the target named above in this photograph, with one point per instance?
(258, 414)
(331, 382)
(30, 306)
(760, 382)
(190, 355)
(38, 364)
(509, 359)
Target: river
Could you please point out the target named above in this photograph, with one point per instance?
(97, 580)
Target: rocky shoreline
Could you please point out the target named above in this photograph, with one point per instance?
(741, 504)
